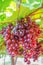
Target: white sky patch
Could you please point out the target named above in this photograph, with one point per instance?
(38, 20)
(35, 2)
(31, 7)
(10, 7)
(8, 14)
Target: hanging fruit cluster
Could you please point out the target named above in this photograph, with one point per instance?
(23, 39)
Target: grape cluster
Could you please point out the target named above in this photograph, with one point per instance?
(22, 39)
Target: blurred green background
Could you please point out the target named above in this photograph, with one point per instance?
(9, 13)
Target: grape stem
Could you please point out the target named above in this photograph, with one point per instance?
(14, 60)
(36, 10)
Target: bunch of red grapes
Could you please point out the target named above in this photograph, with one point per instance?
(23, 39)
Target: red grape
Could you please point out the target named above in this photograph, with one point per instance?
(23, 39)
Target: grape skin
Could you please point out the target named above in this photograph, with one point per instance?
(24, 35)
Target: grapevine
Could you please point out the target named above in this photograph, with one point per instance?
(22, 39)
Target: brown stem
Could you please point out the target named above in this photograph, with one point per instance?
(36, 10)
(36, 13)
(14, 60)
(37, 18)
(18, 8)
